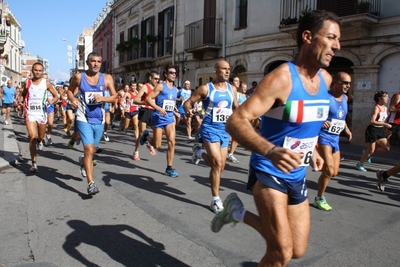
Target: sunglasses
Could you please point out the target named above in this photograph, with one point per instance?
(346, 82)
(157, 79)
(172, 72)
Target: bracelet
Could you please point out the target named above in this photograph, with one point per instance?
(270, 152)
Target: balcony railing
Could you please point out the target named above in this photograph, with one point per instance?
(291, 10)
(203, 33)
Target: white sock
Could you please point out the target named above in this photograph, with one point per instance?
(200, 153)
(104, 132)
(215, 198)
(238, 215)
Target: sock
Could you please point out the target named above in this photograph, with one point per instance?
(200, 153)
(48, 136)
(319, 198)
(136, 153)
(215, 198)
(229, 155)
(104, 132)
(169, 167)
(238, 215)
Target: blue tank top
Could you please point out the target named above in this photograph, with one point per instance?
(88, 110)
(337, 117)
(167, 100)
(294, 125)
(218, 107)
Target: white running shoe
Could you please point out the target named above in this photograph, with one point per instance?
(216, 206)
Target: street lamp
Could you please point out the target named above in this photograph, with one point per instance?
(70, 53)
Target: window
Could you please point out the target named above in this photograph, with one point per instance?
(147, 29)
(165, 31)
(241, 14)
(133, 32)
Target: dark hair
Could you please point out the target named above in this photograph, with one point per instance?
(314, 21)
(93, 54)
(170, 66)
(379, 95)
(232, 77)
(37, 63)
(152, 73)
(254, 83)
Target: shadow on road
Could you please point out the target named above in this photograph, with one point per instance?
(114, 240)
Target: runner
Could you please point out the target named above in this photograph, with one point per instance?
(35, 97)
(219, 98)
(145, 111)
(90, 87)
(294, 103)
(163, 118)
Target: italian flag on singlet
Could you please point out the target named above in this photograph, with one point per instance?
(300, 111)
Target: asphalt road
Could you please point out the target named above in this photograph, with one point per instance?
(143, 218)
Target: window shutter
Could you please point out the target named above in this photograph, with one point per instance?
(160, 42)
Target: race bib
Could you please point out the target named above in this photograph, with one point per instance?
(35, 107)
(168, 105)
(221, 114)
(304, 146)
(89, 98)
(337, 126)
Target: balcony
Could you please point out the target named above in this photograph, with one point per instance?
(203, 36)
(3, 39)
(356, 22)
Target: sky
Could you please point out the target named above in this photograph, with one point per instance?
(46, 22)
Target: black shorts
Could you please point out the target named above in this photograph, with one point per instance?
(130, 115)
(8, 105)
(395, 128)
(374, 133)
(145, 115)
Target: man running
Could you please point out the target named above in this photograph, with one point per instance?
(163, 117)
(35, 97)
(328, 140)
(8, 100)
(90, 87)
(219, 99)
(145, 111)
(293, 101)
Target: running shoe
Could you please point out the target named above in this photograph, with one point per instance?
(322, 204)
(195, 158)
(231, 204)
(71, 144)
(34, 168)
(136, 156)
(49, 141)
(216, 206)
(39, 145)
(381, 181)
(171, 172)
(6, 122)
(143, 138)
(151, 149)
(98, 150)
(106, 138)
(232, 159)
(190, 138)
(360, 167)
(82, 168)
(369, 159)
(92, 189)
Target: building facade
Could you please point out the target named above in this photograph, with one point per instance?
(11, 46)
(254, 38)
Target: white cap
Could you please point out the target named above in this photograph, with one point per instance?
(187, 81)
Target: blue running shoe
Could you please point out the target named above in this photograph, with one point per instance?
(171, 172)
(143, 138)
(360, 167)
